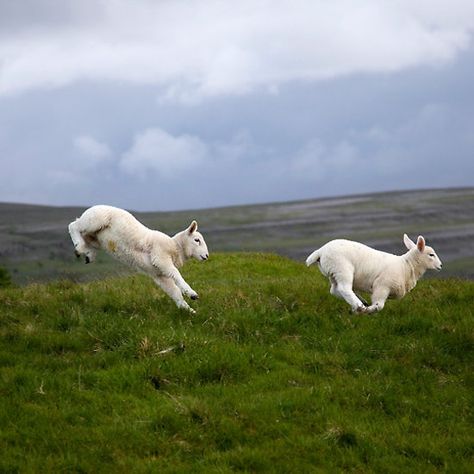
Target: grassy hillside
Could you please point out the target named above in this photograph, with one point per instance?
(35, 245)
(271, 375)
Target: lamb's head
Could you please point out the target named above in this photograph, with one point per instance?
(193, 243)
(425, 255)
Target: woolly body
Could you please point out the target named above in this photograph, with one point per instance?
(125, 238)
(354, 266)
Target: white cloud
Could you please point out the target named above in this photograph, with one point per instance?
(157, 151)
(164, 154)
(202, 48)
(94, 150)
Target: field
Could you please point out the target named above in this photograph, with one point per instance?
(271, 375)
(35, 245)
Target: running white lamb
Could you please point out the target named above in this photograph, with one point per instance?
(354, 266)
(121, 235)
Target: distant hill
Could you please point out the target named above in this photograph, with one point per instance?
(35, 245)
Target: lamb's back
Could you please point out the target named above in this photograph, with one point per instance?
(121, 227)
(348, 255)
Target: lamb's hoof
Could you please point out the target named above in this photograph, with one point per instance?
(183, 305)
(88, 260)
(360, 310)
(194, 297)
(77, 254)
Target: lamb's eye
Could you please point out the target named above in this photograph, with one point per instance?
(432, 255)
(197, 240)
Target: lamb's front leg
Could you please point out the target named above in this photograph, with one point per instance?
(378, 298)
(173, 273)
(170, 288)
(167, 269)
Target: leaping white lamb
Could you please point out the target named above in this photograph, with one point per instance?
(354, 266)
(121, 235)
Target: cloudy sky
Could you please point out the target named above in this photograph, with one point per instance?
(173, 104)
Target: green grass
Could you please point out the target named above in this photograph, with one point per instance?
(271, 375)
(5, 278)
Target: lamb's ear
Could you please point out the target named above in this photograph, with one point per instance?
(409, 244)
(192, 228)
(420, 243)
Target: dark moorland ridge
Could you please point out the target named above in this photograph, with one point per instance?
(35, 245)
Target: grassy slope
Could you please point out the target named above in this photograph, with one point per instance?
(272, 374)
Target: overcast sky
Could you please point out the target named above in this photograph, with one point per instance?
(162, 105)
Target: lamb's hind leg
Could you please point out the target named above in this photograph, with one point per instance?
(364, 302)
(170, 288)
(342, 288)
(335, 292)
(81, 247)
(77, 240)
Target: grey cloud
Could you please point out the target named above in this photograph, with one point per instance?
(24, 17)
(196, 50)
(357, 133)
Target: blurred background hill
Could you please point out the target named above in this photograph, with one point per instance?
(35, 245)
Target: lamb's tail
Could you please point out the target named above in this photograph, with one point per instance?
(313, 258)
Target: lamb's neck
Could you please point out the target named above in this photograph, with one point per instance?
(413, 267)
(181, 255)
